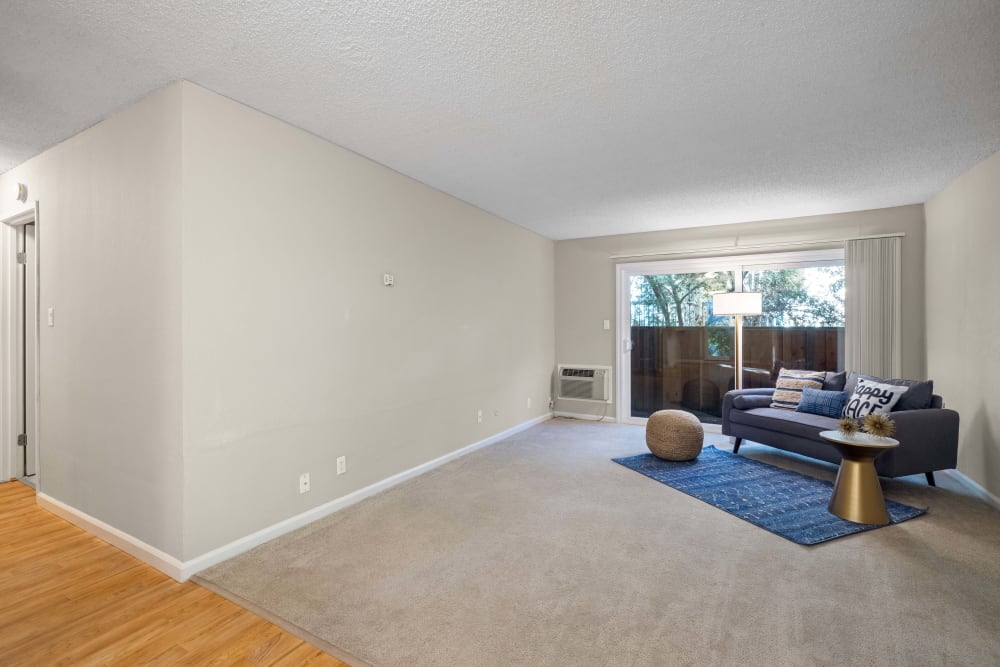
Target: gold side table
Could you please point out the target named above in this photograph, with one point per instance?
(857, 495)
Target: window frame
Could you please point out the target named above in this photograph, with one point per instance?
(625, 271)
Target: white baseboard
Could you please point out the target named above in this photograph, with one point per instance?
(974, 487)
(583, 416)
(163, 562)
(184, 570)
(248, 542)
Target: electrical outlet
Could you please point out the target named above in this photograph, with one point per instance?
(304, 483)
(529, 402)
(479, 417)
(341, 465)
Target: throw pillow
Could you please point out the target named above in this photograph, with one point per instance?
(872, 398)
(788, 388)
(919, 394)
(825, 403)
(835, 381)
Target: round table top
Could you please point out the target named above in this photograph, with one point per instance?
(859, 439)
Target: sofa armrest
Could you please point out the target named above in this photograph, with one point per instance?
(928, 441)
(727, 402)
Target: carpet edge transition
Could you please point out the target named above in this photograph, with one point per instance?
(283, 623)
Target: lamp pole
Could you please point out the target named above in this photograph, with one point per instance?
(738, 304)
(739, 351)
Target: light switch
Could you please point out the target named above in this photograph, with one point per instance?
(607, 325)
(388, 279)
(52, 317)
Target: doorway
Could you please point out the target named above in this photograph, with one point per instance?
(19, 457)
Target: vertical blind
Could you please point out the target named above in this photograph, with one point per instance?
(872, 305)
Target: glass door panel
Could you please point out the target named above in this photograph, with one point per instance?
(802, 326)
(681, 354)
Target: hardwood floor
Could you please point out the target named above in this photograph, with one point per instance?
(67, 598)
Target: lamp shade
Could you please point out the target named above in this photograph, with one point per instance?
(737, 303)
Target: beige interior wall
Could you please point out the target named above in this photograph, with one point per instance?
(189, 235)
(585, 276)
(963, 317)
(109, 256)
(294, 351)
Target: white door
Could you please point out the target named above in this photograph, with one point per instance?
(29, 457)
(19, 442)
(25, 320)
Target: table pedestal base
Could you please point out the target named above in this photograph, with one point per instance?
(857, 494)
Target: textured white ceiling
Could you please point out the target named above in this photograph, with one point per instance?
(573, 118)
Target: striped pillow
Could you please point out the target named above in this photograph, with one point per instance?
(788, 388)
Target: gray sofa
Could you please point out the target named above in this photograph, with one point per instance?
(928, 436)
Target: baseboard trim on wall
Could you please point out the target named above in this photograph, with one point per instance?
(149, 554)
(583, 416)
(974, 487)
(227, 551)
(184, 570)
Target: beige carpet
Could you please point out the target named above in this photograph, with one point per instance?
(541, 551)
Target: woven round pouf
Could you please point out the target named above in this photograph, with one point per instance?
(674, 435)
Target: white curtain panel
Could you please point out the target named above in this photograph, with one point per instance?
(872, 275)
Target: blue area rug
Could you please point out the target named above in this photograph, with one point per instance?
(782, 501)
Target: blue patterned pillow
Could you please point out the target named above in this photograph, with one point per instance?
(819, 402)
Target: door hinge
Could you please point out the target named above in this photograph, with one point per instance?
(20, 258)
(22, 440)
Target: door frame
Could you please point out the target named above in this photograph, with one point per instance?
(623, 302)
(10, 358)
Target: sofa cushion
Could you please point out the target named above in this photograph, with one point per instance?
(788, 388)
(801, 424)
(751, 402)
(919, 394)
(871, 397)
(819, 402)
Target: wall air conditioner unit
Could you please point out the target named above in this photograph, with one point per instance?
(584, 383)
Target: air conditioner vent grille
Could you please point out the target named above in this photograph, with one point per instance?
(584, 383)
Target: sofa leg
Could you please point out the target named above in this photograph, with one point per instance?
(930, 478)
(736, 445)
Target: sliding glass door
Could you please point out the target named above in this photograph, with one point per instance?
(802, 326)
(676, 354)
(681, 356)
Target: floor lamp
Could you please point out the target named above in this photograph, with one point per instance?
(738, 304)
